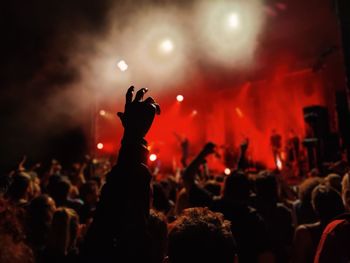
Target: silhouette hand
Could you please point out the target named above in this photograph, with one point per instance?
(138, 114)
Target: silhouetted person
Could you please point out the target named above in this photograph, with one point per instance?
(277, 217)
(334, 245)
(118, 232)
(327, 204)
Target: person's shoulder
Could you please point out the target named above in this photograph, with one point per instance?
(340, 223)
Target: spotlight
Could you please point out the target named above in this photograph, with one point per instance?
(166, 46)
(179, 98)
(102, 112)
(100, 146)
(152, 157)
(122, 65)
(233, 21)
(227, 171)
(279, 163)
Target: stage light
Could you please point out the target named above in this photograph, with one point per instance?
(102, 112)
(228, 30)
(153, 157)
(279, 163)
(122, 65)
(227, 171)
(157, 48)
(179, 98)
(166, 46)
(233, 21)
(194, 113)
(100, 146)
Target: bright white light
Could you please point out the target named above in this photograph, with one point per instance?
(166, 46)
(279, 163)
(179, 98)
(233, 21)
(102, 112)
(227, 171)
(100, 146)
(122, 65)
(152, 157)
(228, 31)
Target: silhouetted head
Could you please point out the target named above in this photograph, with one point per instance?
(200, 235)
(20, 187)
(334, 180)
(306, 188)
(89, 192)
(266, 187)
(327, 203)
(59, 190)
(237, 187)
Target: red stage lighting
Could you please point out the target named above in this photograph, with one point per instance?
(179, 98)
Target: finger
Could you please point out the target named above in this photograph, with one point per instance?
(129, 95)
(140, 94)
(157, 108)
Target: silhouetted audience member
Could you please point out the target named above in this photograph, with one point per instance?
(247, 225)
(20, 189)
(334, 245)
(39, 217)
(59, 189)
(200, 235)
(89, 193)
(327, 204)
(277, 217)
(62, 240)
(302, 208)
(118, 232)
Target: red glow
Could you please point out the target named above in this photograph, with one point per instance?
(227, 116)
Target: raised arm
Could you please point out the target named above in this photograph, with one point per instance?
(119, 225)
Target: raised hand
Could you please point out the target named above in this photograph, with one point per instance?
(138, 114)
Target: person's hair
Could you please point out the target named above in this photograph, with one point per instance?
(327, 203)
(266, 187)
(237, 187)
(346, 190)
(200, 235)
(306, 187)
(334, 180)
(19, 186)
(157, 229)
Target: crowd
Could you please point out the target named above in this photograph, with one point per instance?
(93, 212)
